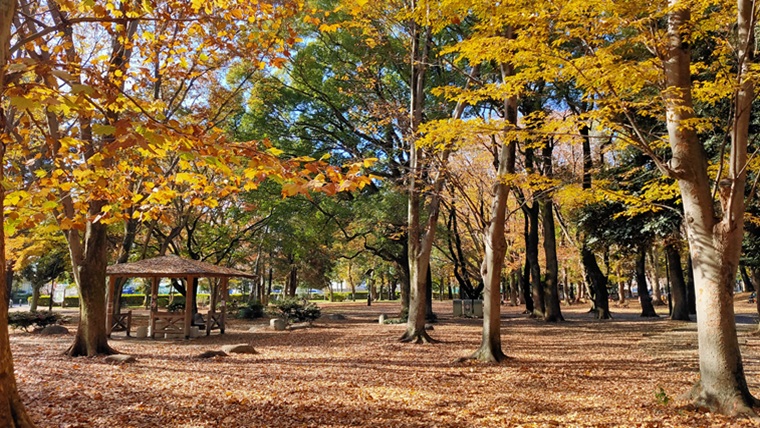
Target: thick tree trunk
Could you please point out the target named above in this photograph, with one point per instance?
(531, 254)
(553, 312)
(677, 283)
(12, 411)
(598, 283)
(714, 239)
(91, 338)
(647, 309)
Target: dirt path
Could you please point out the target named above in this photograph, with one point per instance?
(353, 372)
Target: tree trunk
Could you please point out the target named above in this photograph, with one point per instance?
(714, 238)
(495, 243)
(531, 254)
(90, 274)
(524, 278)
(647, 310)
(654, 268)
(35, 297)
(621, 285)
(12, 411)
(420, 237)
(598, 283)
(553, 312)
(677, 283)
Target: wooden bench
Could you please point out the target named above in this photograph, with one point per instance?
(122, 322)
(169, 322)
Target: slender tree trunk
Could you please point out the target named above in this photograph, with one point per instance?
(420, 237)
(647, 310)
(714, 238)
(621, 285)
(495, 242)
(654, 268)
(677, 282)
(525, 291)
(35, 297)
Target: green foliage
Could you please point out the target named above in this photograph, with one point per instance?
(294, 310)
(662, 397)
(251, 311)
(178, 304)
(68, 302)
(343, 296)
(24, 320)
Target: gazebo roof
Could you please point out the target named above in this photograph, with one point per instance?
(173, 267)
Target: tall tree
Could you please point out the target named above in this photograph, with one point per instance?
(12, 411)
(714, 238)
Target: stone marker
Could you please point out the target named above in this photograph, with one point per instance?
(277, 324)
(141, 332)
(240, 348)
(120, 359)
(382, 319)
(54, 329)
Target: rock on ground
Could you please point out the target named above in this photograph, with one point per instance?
(54, 329)
(212, 354)
(240, 348)
(120, 359)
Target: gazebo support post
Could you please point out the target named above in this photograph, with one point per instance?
(223, 309)
(188, 305)
(211, 306)
(109, 304)
(153, 305)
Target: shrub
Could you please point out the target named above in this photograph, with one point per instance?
(69, 301)
(251, 311)
(294, 310)
(24, 320)
(178, 304)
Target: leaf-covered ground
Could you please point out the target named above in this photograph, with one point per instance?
(353, 372)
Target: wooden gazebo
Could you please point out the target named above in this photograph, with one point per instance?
(173, 267)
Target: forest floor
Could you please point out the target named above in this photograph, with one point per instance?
(629, 371)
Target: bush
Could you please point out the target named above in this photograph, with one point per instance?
(178, 304)
(251, 311)
(69, 301)
(294, 310)
(24, 320)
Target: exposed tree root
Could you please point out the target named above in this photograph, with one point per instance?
(80, 349)
(419, 336)
(601, 314)
(485, 355)
(736, 404)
